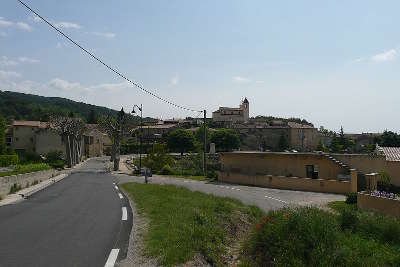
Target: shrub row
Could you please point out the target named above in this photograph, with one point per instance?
(7, 160)
(312, 237)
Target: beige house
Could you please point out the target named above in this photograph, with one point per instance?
(310, 171)
(34, 136)
(286, 170)
(96, 143)
(232, 115)
(157, 131)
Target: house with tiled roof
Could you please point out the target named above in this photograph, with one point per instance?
(390, 153)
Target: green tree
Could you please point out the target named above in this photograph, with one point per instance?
(181, 141)
(283, 142)
(225, 139)
(320, 146)
(92, 119)
(3, 127)
(199, 135)
(389, 138)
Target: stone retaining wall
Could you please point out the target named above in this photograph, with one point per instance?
(22, 179)
(383, 205)
(292, 183)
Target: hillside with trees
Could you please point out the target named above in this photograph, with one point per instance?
(20, 106)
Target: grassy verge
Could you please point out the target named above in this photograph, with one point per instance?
(183, 223)
(340, 206)
(20, 169)
(190, 177)
(312, 237)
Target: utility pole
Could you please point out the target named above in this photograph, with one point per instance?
(141, 136)
(205, 143)
(141, 133)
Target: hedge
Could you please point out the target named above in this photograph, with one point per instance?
(7, 160)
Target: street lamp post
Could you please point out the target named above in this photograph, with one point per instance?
(141, 133)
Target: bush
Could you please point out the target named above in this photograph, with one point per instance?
(300, 237)
(54, 156)
(212, 174)
(58, 164)
(166, 170)
(7, 160)
(348, 219)
(351, 198)
(379, 227)
(27, 157)
(15, 188)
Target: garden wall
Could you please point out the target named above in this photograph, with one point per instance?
(22, 179)
(292, 183)
(383, 205)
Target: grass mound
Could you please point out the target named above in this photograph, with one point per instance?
(312, 237)
(184, 224)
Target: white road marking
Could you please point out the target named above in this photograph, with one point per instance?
(276, 199)
(238, 189)
(124, 214)
(120, 196)
(116, 187)
(112, 258)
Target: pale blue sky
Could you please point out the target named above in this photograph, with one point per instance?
(332, 62)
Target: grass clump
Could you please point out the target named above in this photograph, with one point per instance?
(312, 237)
(183, 223)
(26, 168)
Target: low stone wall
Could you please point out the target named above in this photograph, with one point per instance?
(383, 205)
(22, 179)
(291, 183)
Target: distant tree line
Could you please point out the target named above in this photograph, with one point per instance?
(270, 119)
(388, 138)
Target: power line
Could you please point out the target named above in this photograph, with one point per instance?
(105, 64)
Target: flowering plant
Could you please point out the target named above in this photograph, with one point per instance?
(383, 194)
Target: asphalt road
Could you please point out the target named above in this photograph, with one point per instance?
(75, 222)
(265, 198)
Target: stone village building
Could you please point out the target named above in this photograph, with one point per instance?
(228, 115)
(35, 136)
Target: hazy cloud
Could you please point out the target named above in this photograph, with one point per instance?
(174, 80)
(5, 23)
(19, 25)
(109, 35)
(389, 55)
(67, 25)
(240, 79)
(9, 74)
(24, 26)
(6, 62)
(28, 60)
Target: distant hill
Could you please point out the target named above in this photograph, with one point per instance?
(19, 106)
